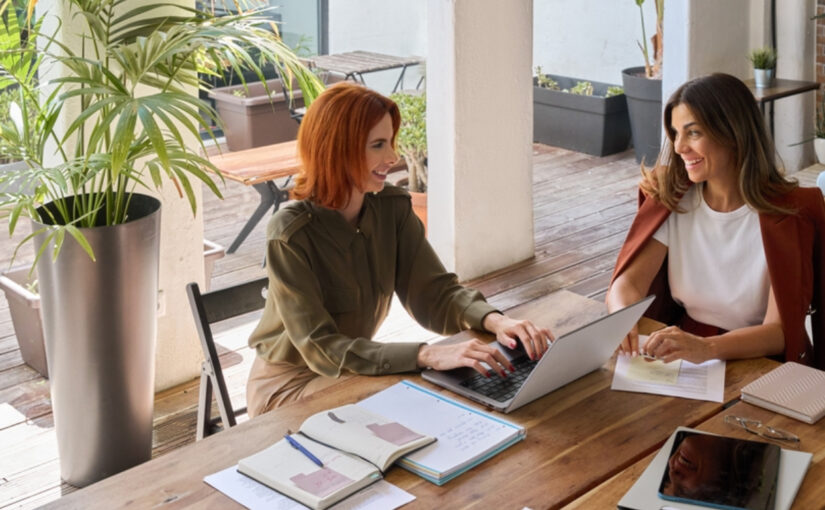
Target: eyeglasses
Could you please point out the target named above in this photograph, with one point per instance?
(762, 430)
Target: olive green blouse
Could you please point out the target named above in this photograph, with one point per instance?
(331, 284)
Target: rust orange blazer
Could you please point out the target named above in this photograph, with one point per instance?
(795, 252)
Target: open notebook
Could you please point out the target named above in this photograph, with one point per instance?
(354, 445)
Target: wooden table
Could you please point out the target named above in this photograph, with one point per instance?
(260, 167)
(577, 438)
(355, 64)
(779, 89)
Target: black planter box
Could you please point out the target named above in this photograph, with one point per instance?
(595, 125)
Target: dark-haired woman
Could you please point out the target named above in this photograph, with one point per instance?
(336, 256)
(732, 249)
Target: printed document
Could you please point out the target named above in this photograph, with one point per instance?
(705, 381)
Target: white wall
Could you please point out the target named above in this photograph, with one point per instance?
(394, 27)
(705, 36)
(590, 39)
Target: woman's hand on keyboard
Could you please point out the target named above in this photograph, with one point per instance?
(509, 331)
(465, 354)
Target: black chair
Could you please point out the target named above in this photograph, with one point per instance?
(209, 308)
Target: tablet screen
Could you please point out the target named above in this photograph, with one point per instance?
(722, 472)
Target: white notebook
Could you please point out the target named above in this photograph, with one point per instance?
(792, 389)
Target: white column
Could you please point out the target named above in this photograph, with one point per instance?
(703, 37)
(178, 354)
(480, 122)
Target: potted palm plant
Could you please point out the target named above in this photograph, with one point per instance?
(129, 83)
(643, 89)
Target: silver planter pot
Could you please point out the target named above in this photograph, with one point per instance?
(99, 323)
(763, 78)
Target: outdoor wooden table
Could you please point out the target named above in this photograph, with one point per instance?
(260, 167)
(577, 437)
(779, 89)
(811, 494)
(355, 64)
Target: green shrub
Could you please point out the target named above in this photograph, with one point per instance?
(412, 137)
(582, 88)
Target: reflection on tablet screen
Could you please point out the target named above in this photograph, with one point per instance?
(721, 472)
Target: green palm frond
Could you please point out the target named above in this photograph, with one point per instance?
(129, 85)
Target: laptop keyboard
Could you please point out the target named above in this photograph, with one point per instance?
(498, 388)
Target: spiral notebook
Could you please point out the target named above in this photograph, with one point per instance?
(792, 389)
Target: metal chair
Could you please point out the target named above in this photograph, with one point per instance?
(209, 308)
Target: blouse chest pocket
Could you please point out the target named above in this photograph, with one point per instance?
(338, 300)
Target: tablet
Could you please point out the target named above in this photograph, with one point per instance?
(721, 472)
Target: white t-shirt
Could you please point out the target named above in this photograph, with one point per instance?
(716, 263)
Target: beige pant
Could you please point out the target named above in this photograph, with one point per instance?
(272, 385)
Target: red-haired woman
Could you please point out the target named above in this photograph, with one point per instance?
(336, 255)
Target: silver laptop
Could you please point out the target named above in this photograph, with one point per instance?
(571, 356)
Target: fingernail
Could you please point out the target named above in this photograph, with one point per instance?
(487, 374)
(512, 345)
(634, 354)
(512, 368)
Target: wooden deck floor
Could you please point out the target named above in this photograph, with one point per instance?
(583, 207)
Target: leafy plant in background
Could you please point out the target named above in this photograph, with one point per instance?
(412, 137)
(763, 58)
(18, 73)
(130, 81)
(819, 129)
(582, 88)
(614, 90)
(654, 69)
(544, 81)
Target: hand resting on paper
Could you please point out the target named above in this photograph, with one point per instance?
(671, 343)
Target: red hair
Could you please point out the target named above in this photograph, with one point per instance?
(332, 142)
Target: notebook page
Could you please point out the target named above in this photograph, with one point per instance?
(463, 434)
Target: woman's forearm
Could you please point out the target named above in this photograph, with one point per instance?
(749, 342)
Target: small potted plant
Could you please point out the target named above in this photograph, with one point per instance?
(412, 145)
(583, 116)
(764, 64)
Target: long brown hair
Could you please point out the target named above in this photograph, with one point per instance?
(332, 142)
(727, 111)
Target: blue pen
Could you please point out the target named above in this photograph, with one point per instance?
(295, 444)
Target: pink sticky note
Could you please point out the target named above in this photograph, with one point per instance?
(322, 482)
(394, 433)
